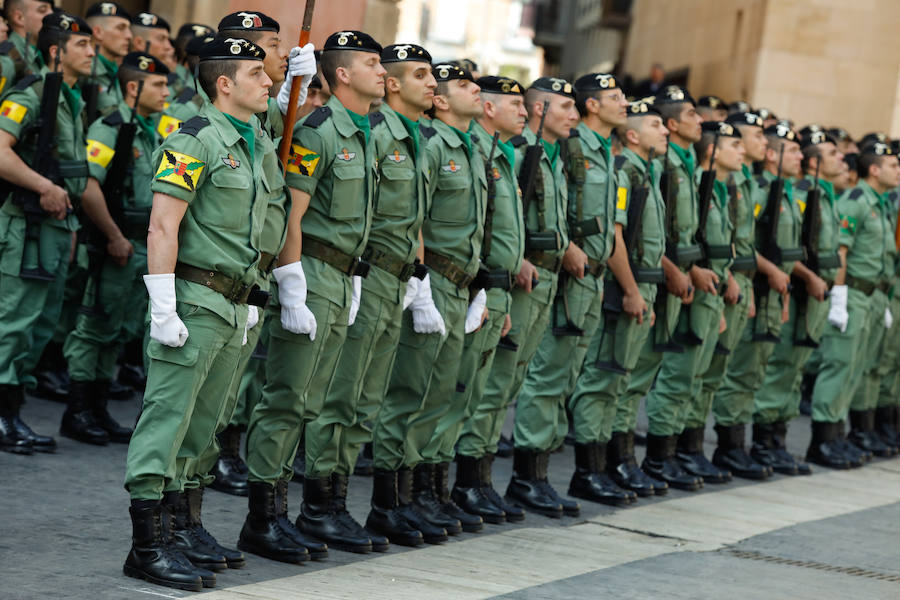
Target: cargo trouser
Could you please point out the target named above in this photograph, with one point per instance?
(889, 365)
(865, 396)
(253, 378)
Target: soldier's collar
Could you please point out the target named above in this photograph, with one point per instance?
(635, 159)
(588, 136)
(447, 134)
(395, 125)
(220, 123)
(342, 121)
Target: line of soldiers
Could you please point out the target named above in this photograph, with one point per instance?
(437, 246)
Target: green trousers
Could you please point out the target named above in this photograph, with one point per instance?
(359, 384)
(469, 425)
(733, 401)
(889, 365)
(529, 314)
(298, 371)
(865, 396)
(92, 347)
(842, 361)
(706, 385)
(541, 423)
(183, 402)
(29, 308)
(614, 348)
(253, 378)
(670, 401)
(779, 397)
(422, 386)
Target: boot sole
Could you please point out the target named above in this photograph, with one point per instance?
(215, 567)
(291, 560)
(137, 574)
(473, 528)
(84, 440)
(553, 514)
(607, 501)
(235, 564)
(231, 491)
(13, 450)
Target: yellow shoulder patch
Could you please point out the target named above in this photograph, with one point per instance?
(756, 208)
(622, 198)
(802, 206)
(179, 169)
(99, 153)
(12, 111)
(2, 84)
(302, 161)
(167, 125)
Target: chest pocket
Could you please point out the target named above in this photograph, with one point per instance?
(348, 195)
(397, 191)
(451, 201)
(230, 207)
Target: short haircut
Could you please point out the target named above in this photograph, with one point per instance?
(581, 99)
(331, 61)
(211, 70)
(706, 138)
(809, 152)
(531, 96)
(127, 74)
(51, 36)
(775, 143)
(670, 110)
(865, 162)
(11, 5)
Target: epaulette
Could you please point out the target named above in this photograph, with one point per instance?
(427, 132)
(376, 118)
(893, 196)
(113, 119)
(762, 181)
(6, 46)
(27, 81)
(193, 125)
(474, 138)
(803, 185)
(518, 140)
(854, 194)
(619, 161)
(186, 95)
(573, 133)
(171, 78)
(317, 117)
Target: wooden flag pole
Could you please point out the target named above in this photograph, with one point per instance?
(291, 117)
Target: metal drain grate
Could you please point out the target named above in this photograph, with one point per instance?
(809, 564)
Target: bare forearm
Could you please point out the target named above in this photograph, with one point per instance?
(14, 170)
(618, 264)
(94, 205)
(162, 251)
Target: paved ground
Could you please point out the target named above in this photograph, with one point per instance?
(65, 533)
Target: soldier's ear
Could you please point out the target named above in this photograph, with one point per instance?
(440, 102)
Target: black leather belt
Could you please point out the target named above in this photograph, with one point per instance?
(266, 262)
(450, 270)
(233, 290)
(866, 287)
(393, 264)
(343, 262)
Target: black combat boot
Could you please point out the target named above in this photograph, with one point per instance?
(590, 481)
(806, 391)
(527, 490)
(468, 492)
(689, 453)
(317, 550)
(660, 463)
(825, 446)
(365, 466)
(622, 466)
(431, 533)
(299, 464)
(39, 443)
(426, 503)
(194, 497)
(885, 425)
(230, 471)
(10, 439)
(769, 449)
(319, 518)
(514, 514)
(386, 517)
(855, 455)
(151, 558)
(731, 454)
(98, 398)
(339, 501)
(197, 549)
(470, 523)
(505, 447)
(571, 508)
(78, 421)
(263, 533)
(862, 434)
(51, 374)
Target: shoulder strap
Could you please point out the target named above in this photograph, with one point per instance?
(762, 182)
(576, 172)
(113, 119)
(186, 95)
(803, 185)
(620, 161)
(518, 140)
(855, 194)
(317, 117)
(375, 119)
(427, 132)
(193, 125)
(27, 81)
(6, 46)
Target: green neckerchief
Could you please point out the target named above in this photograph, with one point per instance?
(509, 151)
(412, 127)
(552, 151)
(72, 96)
(721, 190)
(828, 188)
(465, 137)
(788, 188)
(685, 156)
(748, 174)
(112, 67)
(604, 144)
(361, 122)
(245, 130)
(147, 125)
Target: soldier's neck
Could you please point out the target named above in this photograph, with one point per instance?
(597, 125)
(722, 174)
(412, 113)
(230, 108)
(353, 101)
(875, 185)
(679, 141)
(105, 53)
(491, 129)
(640, 151)
(453, 120)
(546, 134)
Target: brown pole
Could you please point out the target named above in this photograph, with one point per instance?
(291, 117)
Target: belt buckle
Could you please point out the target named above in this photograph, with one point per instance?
(406, 272)
(238, 292)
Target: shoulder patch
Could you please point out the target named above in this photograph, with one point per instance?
(376, 118)
(186, 95)
(573, 133)
(179, 169)
(99, 153)
(317, 117)
(762, 181)
(6, 46)
(427, 132)
(113, 119)
(803, 185)
(193, 125)
(619, 161)
(518, 140)
(854, 194)
(26, 82)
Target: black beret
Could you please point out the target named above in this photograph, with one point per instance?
(223, 48)
(63, 21)
(195, 30)
(765, 113)
(810, 129)
(404, 53)
(500, 85)
(783, 131)
(672, 94)
(447, 72)
(315, 83)
(814, 138)
(839, 133)
(106, 9)
(195, 45)
(146, 19)
(871, 138)
(147, 63)
(642, 108)
(554, 85)
(251, 21)
(352, 40)
(721, 128)
(895, 146)
(877, 149)
(739, 106)
(713, 102)
(466, 63)
(595, 82)
(745, 118)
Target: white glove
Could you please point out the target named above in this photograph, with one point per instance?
(888, 318)
(426, 318)
(476, 311)
(301, 63)
(354, 301)
(837, 314)
(412, 288)
(165, 325)
(252, 320)
(295, 316)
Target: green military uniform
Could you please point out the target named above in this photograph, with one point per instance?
(109, 93)
(615, 347)
(30, 307)
(733, 402)
(213, 159)
(778, 400)
(26, 56)
(8, 65)
(332, 160)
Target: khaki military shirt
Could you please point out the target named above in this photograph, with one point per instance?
(790, 219)
(109, 91)
(745, 223)
(829, 222)
(685, 216)
(598, 193)
(866, 229)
